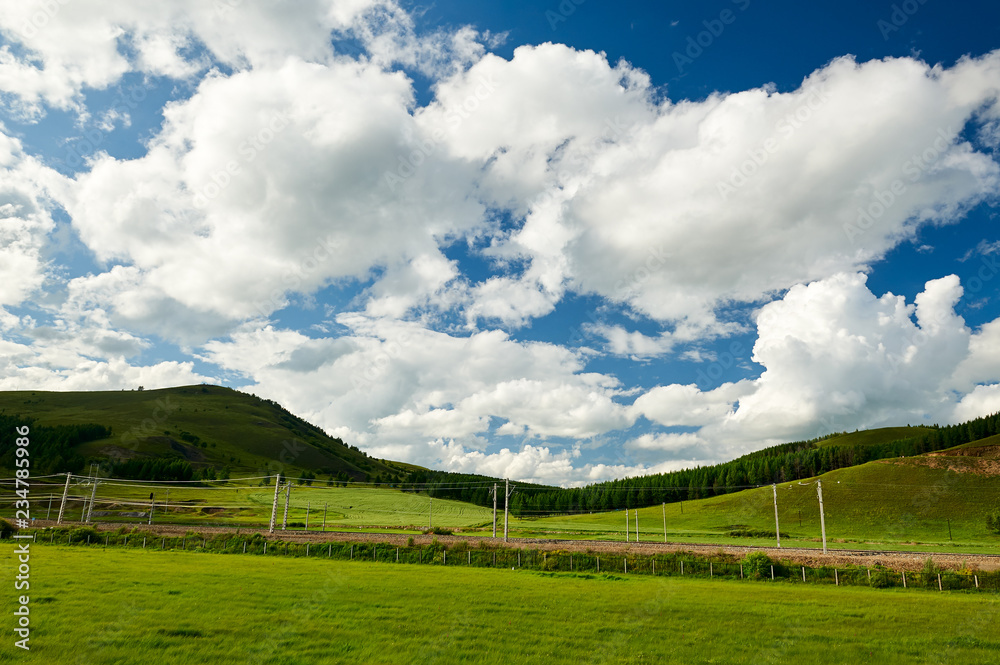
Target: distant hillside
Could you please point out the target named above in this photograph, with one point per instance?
(210, 430)
(202, 433)
(870, 437)
(785, 462)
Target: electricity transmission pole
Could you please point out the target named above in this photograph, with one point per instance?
(83, 514)
(62, 504)
(627, 526)
(308, 503)
(777, 531)
(822, 519)
(152, 503)
(93, 495)
(664, 521)
(430, 512)
(274, 506)
(288, 493)
(506, 501)
(636, 525)
(494, 510)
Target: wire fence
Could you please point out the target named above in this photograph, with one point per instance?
(482, 555)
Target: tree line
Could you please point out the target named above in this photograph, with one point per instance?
(52, 448)
(777, 464)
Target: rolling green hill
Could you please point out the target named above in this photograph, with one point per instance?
(869, 437)
(208, 427)
(938, 499)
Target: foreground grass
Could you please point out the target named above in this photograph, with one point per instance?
(173, 607)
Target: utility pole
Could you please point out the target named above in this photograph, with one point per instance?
(152, 503)
(288, 493)
(83, 514)
(430, 512)
(822, 519)
(777, 530)
(49, 511)
(324, 517)
(93, 495)
(506, 502)
(62, 504)
(627, 525)
(166, 503)
(274, 506)
(494, 510)
(308, 503)
(664, 521)
(636, 525)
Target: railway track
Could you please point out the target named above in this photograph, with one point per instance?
(902, 558)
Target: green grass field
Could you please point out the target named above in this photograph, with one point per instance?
(346, 507)
(898, 504)
(114, 606)
(901, 503)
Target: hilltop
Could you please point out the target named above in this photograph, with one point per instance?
(210, 429)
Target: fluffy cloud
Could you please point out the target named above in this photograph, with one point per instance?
(389, 383)
(676, 208)
(267, 183)
(71, 46)
(838, 357)
(292, 165)
(25, 220)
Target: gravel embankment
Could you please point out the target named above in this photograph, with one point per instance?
(909, 561)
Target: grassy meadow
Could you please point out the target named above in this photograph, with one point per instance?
(116, 606)
(898, 504)
(349, 507)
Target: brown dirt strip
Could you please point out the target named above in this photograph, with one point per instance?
(894, 560)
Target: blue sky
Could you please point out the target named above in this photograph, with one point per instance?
(553, 241)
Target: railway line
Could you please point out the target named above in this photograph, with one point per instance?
(895, 559)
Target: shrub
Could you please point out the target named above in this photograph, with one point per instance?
(409, 541)
(79, 534)
(757, 565)
(993, 522)
(6, 529)
(880, 579)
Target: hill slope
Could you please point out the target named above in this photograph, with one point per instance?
(205, 426)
